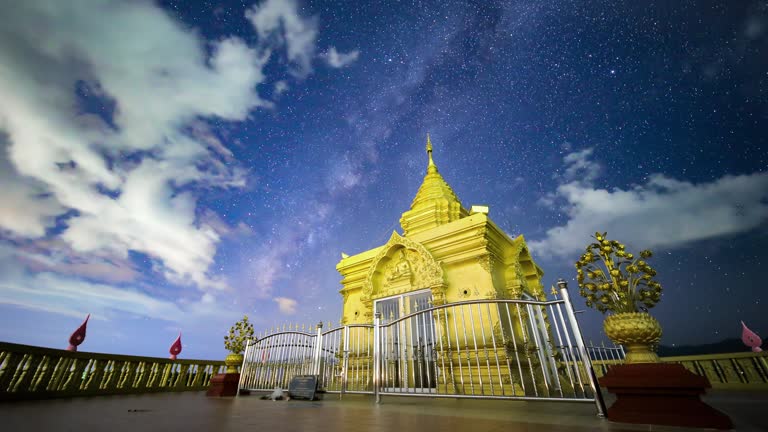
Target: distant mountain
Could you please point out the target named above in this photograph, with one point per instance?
(725, 346)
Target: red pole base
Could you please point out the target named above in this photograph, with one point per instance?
(224, 385)
(661, 394)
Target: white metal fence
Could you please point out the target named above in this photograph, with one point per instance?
(500, 349)
(609, 354)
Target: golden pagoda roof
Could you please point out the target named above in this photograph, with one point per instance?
(434, 187)
(434, 204)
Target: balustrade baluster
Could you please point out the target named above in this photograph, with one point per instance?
(126, 376)
(24, 373)
(94, 379)
(141, 375)
(42, 375)
(62, 365)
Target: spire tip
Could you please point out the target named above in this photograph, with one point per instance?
(431, 164)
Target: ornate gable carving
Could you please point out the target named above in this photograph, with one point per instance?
(403, 263)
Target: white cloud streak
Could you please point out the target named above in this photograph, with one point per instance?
(286, 305)
(279, 22)
(71, 296)
(25, 208)
(661, 213)
(339, 60)
(63, 261)
(280, 87)
(580, 168)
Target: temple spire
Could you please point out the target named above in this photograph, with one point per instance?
(435, 203)
(431, 166)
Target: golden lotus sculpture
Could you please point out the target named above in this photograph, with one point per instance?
(614, 280)
(235, 343)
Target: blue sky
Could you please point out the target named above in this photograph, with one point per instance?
(171, 166)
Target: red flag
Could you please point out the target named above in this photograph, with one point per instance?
(751, 339)
(175, 348)
(78, 336)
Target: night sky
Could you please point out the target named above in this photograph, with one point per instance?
(168, 167)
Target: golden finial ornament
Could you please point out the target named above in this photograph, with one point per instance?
(431, 166)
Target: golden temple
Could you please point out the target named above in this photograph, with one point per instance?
(446, 254)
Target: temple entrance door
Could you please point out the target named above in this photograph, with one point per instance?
(409, 344)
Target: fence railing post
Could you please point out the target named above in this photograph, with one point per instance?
(318, 350)
(345, 362)
(376, 355)
(563, 285)
(242, 367)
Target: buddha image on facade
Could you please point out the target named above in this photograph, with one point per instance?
(402, 269)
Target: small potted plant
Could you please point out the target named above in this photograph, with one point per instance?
(235, 343)
(614, 281)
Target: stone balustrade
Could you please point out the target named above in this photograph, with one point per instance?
(735, 371)
(731, 371)
(30, 372)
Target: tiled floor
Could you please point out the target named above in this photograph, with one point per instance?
(194, 412)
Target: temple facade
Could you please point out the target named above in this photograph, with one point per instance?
(445, 254)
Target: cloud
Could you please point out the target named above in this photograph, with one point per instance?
(286, 305)
(71, 296)
(114, 174)
(661, 213)
(203, 133)
(279, 23)
(222, 228)
(579, 167)
(62, 260)
(280, 87)
(339, 60)
(26, 209)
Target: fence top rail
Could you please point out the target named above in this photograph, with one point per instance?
(53, 352)
(359, 325)
(471, 302)
(255, 341)
(333, 330)
(602, 348)
(348, 325)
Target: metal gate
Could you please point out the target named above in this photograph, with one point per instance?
(493, 349)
